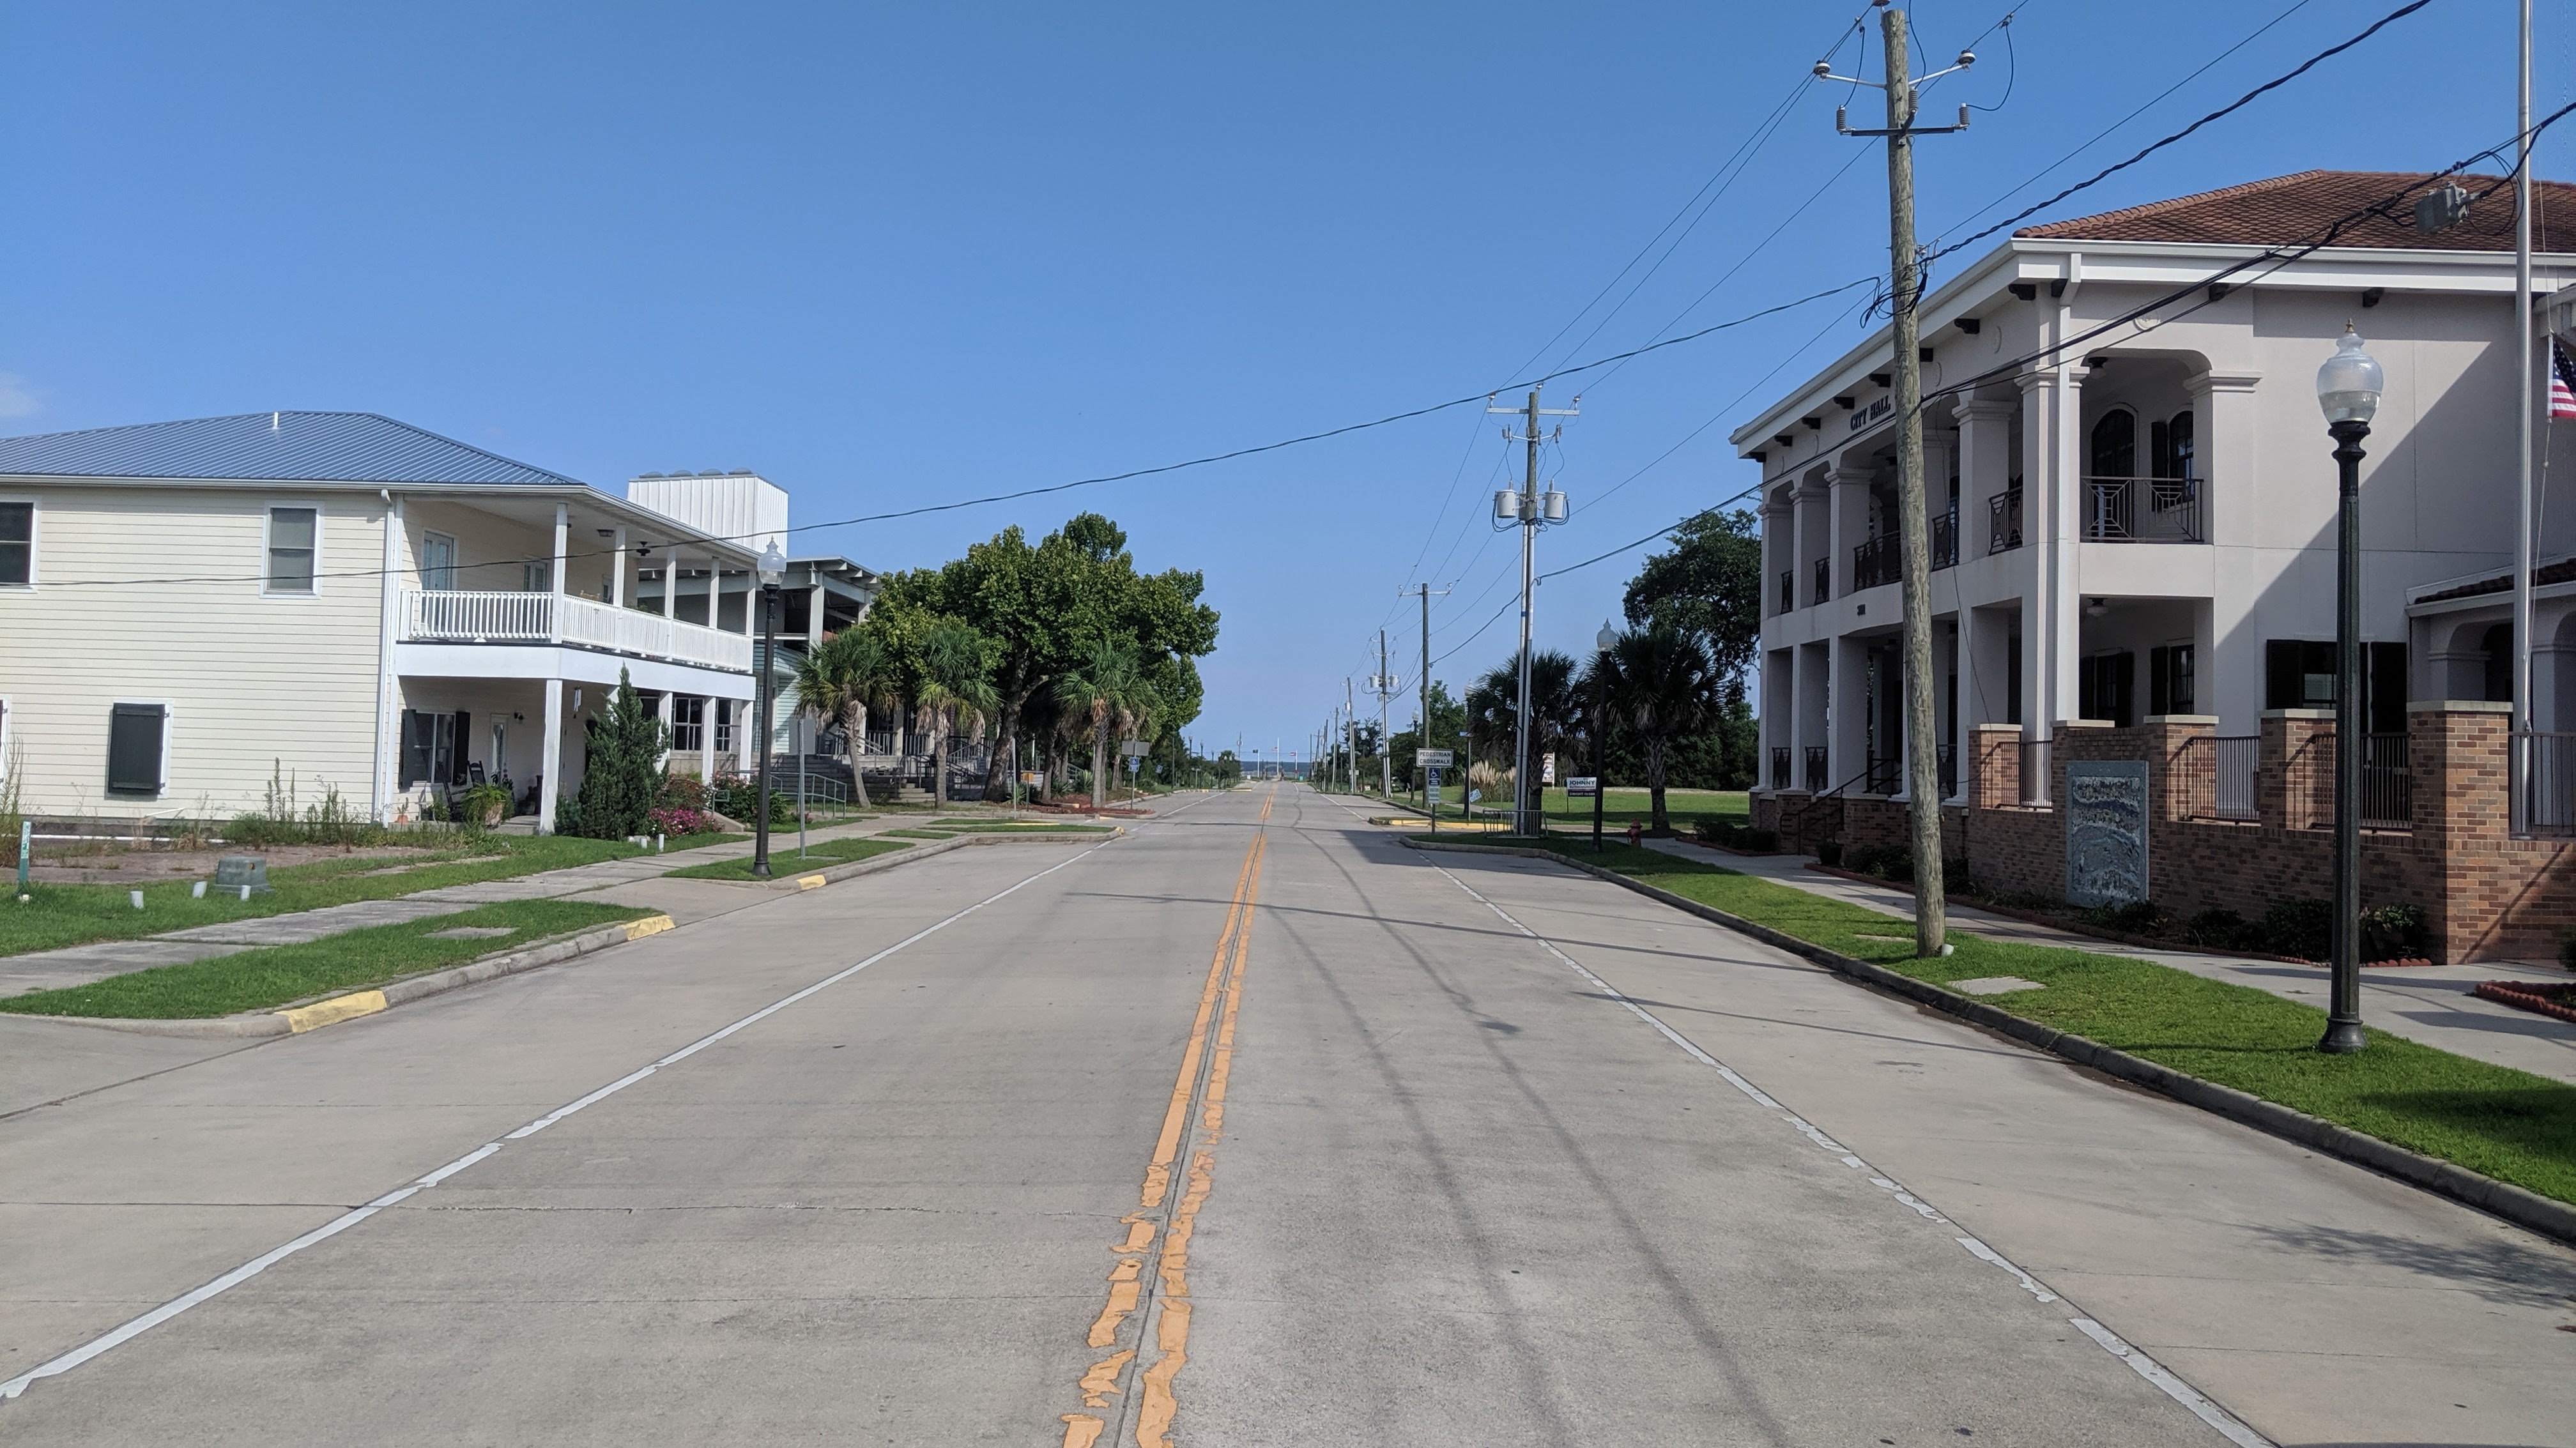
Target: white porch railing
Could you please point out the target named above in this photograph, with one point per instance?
(433, 615)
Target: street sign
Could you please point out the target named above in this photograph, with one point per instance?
(1434, 758)
(1032, 778)
(1133, 749)
(1582, 787)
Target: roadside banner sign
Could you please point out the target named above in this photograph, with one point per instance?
(1582, 786)
(1547, 768)
(1434, 758)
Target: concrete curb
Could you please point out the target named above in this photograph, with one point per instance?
(913, 850)
(2515, 1204)
(349, 1007)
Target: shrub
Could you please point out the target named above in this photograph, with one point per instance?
(1887, 862)
(683, 791)
(2394, 932)
(483, 806)
(2300, 928)
(621, 778)
(678, 820)
(1829, 852)
(2137, 917)
(2221, 930)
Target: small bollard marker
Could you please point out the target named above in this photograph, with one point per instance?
(197, 891)
(136, 896)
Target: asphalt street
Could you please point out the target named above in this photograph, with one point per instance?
(1253, 1127)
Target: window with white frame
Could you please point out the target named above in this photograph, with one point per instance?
(17, 544)
(291, 545)
(724, 725)
(437, 561)
(688, 725)
(537, 575)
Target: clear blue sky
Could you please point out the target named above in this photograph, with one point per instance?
(893, 255)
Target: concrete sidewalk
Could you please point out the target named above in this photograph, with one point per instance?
(2427, 1004)
(81, 964)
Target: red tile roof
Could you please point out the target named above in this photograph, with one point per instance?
(2295, 210)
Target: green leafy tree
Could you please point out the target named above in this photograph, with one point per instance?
(621, 770)
(1556, 714)
(1709, 585)
(1046, 606)
(1663, 686)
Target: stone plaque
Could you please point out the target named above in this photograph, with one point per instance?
(234, 871)
(2106, 831)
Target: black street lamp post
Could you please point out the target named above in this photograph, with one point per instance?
(773, 571)
(1601, 727)
(2348, 388)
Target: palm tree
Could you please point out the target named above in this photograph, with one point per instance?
(955, 691)
(1101, 690)
(1662, 685)
(841, 681)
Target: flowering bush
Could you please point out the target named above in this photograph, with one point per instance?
(681, 791)
(675, 820)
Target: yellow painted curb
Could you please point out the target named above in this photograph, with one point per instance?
(649, 925)
(811, 882)
(333, 1011)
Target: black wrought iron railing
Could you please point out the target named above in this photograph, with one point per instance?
(1945, 538)
(2003, 521)
(1816, 776)
(2143, 510)
(1779, 766)
(1884, 775)
(1824, 580)
(2235, 759)
(1949, 761)
(1788, 590)
(2387, 783)
(2544, 796)
(1873, 563)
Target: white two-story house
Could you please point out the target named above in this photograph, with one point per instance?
(2145, 523)
(188, 609)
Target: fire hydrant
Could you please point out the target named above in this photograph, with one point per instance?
(1636, 834)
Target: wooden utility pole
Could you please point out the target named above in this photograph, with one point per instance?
(1914, 521)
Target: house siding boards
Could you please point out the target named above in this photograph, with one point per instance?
(248, 677)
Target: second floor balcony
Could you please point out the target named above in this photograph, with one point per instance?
(2003, 521)
(460, 616)
(1874, 562)
(2144, 510)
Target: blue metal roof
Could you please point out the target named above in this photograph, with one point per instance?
(322, 447)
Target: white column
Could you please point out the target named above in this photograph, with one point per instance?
(707, 729)
(617, 571)
(1985, 470)
(552, 762)
(1847, 720)
(554, 615)
(388, 765)
(2223, 426)
(671, 583)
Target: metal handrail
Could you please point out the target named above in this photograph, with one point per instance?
(1779, 766)
(1945, 538)
(1873, 563)
(2113, 511)
(2003, 521)
(1788, 590)
(1824, 580)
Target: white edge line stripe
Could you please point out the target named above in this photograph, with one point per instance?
(2175, 1388)
(117, 1336)
(177, 1305)
(2201, 1406)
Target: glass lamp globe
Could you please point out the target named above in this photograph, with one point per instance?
(2349, 384)
(773, 564)
(1606, 637)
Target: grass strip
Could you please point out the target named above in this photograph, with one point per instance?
(55, 916)
(1000, 827)
(2507, 1124)
(253, 980)
(787, 863)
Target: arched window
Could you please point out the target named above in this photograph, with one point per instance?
(2115, 445)
(2169, 447)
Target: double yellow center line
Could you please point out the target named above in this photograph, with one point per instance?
(1206, 1062)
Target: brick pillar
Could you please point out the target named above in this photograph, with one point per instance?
(2294, 783)
(2182, 765)
(1994, 762)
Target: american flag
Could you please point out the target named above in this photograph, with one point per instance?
(2562, 381)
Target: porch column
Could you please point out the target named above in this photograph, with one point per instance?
(1949, 660)
(551, 786)
(1846, 524)
(1847, 711)
(2050, 628)
(1985, 469)
(2222, 405)
(554, 615)
(707, 734)
(671, 583)
(1813, 661)
(617, 571)
(388, 763)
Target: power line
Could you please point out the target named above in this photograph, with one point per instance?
(2239, 103)
(2097, 136)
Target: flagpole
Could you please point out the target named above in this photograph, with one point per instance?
(2523, 387)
